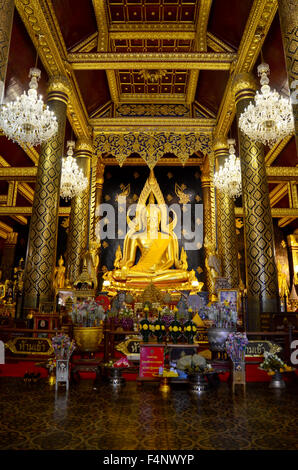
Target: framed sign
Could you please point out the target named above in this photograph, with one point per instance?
(231, 296)
(257, 348)
(31, 346)
(152, 357)
(131, 345)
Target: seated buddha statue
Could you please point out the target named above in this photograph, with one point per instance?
(151, 250)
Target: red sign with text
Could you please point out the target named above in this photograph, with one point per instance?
(151, 359)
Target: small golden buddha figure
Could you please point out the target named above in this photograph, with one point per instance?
(282, 280)
(155, 242)
(59, 274)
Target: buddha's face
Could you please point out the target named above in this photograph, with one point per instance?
(153, 220)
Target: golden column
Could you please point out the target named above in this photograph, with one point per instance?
(288, 15)
(207, 222)
(42, 243)
(6, 19)
(226, 227)
(78, 224)
(261, 274)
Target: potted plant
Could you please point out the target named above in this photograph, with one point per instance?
(275, 366)
(87, 317)
(224, 321)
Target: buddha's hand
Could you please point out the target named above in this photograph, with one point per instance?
(123, 272)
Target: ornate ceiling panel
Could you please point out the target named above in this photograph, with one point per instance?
(155, 11)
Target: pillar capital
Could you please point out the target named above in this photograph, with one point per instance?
(58, 88)
(221, 147)
(84, 146)
(244, 86)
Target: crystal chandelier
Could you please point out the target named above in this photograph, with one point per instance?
(73, 181)
(270, 118)
(228, 177)
(27, 120)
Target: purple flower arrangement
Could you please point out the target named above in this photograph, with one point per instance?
(235, 347)
(63, 346)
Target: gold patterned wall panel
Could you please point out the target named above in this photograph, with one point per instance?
(258, 228)
(41, 256)
(78, 225)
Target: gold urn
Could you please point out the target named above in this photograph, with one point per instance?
(88, 339)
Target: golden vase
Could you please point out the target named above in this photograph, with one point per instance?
(88, 339)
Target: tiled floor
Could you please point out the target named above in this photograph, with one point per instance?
(32, 417)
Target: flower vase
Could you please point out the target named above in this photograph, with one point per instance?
(145, 328)
(189, 329)
(277, 381)
(159, 329)
(175, 330)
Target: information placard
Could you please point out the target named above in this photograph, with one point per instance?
(151, 359)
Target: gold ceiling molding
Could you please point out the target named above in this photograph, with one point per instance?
(148, 60)
(152, 98)
(165, 161)
(152, 145)
(124, 124)
(278, 193)
(276, 149)
(277, 174)
(217, 44)
(87, 44)
(163, 28)
(41, 23)
(113, 87)
(201, 26)
(148, 33)
(101, 14)
(200, 46)
(256, 29)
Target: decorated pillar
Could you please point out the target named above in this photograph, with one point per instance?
(78, 223)
(8, 257)
(207, 223)
(261, 274)
(226, 227)
(6, 19)
(288, 14)
(42, 243)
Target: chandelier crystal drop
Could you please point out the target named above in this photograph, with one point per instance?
(73, 181)
(270, 118)
(27, 120)
(228, 177)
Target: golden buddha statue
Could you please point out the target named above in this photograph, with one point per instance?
(154, 239)
(59, 274)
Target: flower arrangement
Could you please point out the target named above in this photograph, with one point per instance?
(87, 313)
(221, 315)
(63, 346)
(159, 327)
(167, 316)
(189, 328)
(272, 364)
(126, 318)
(235, 347)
